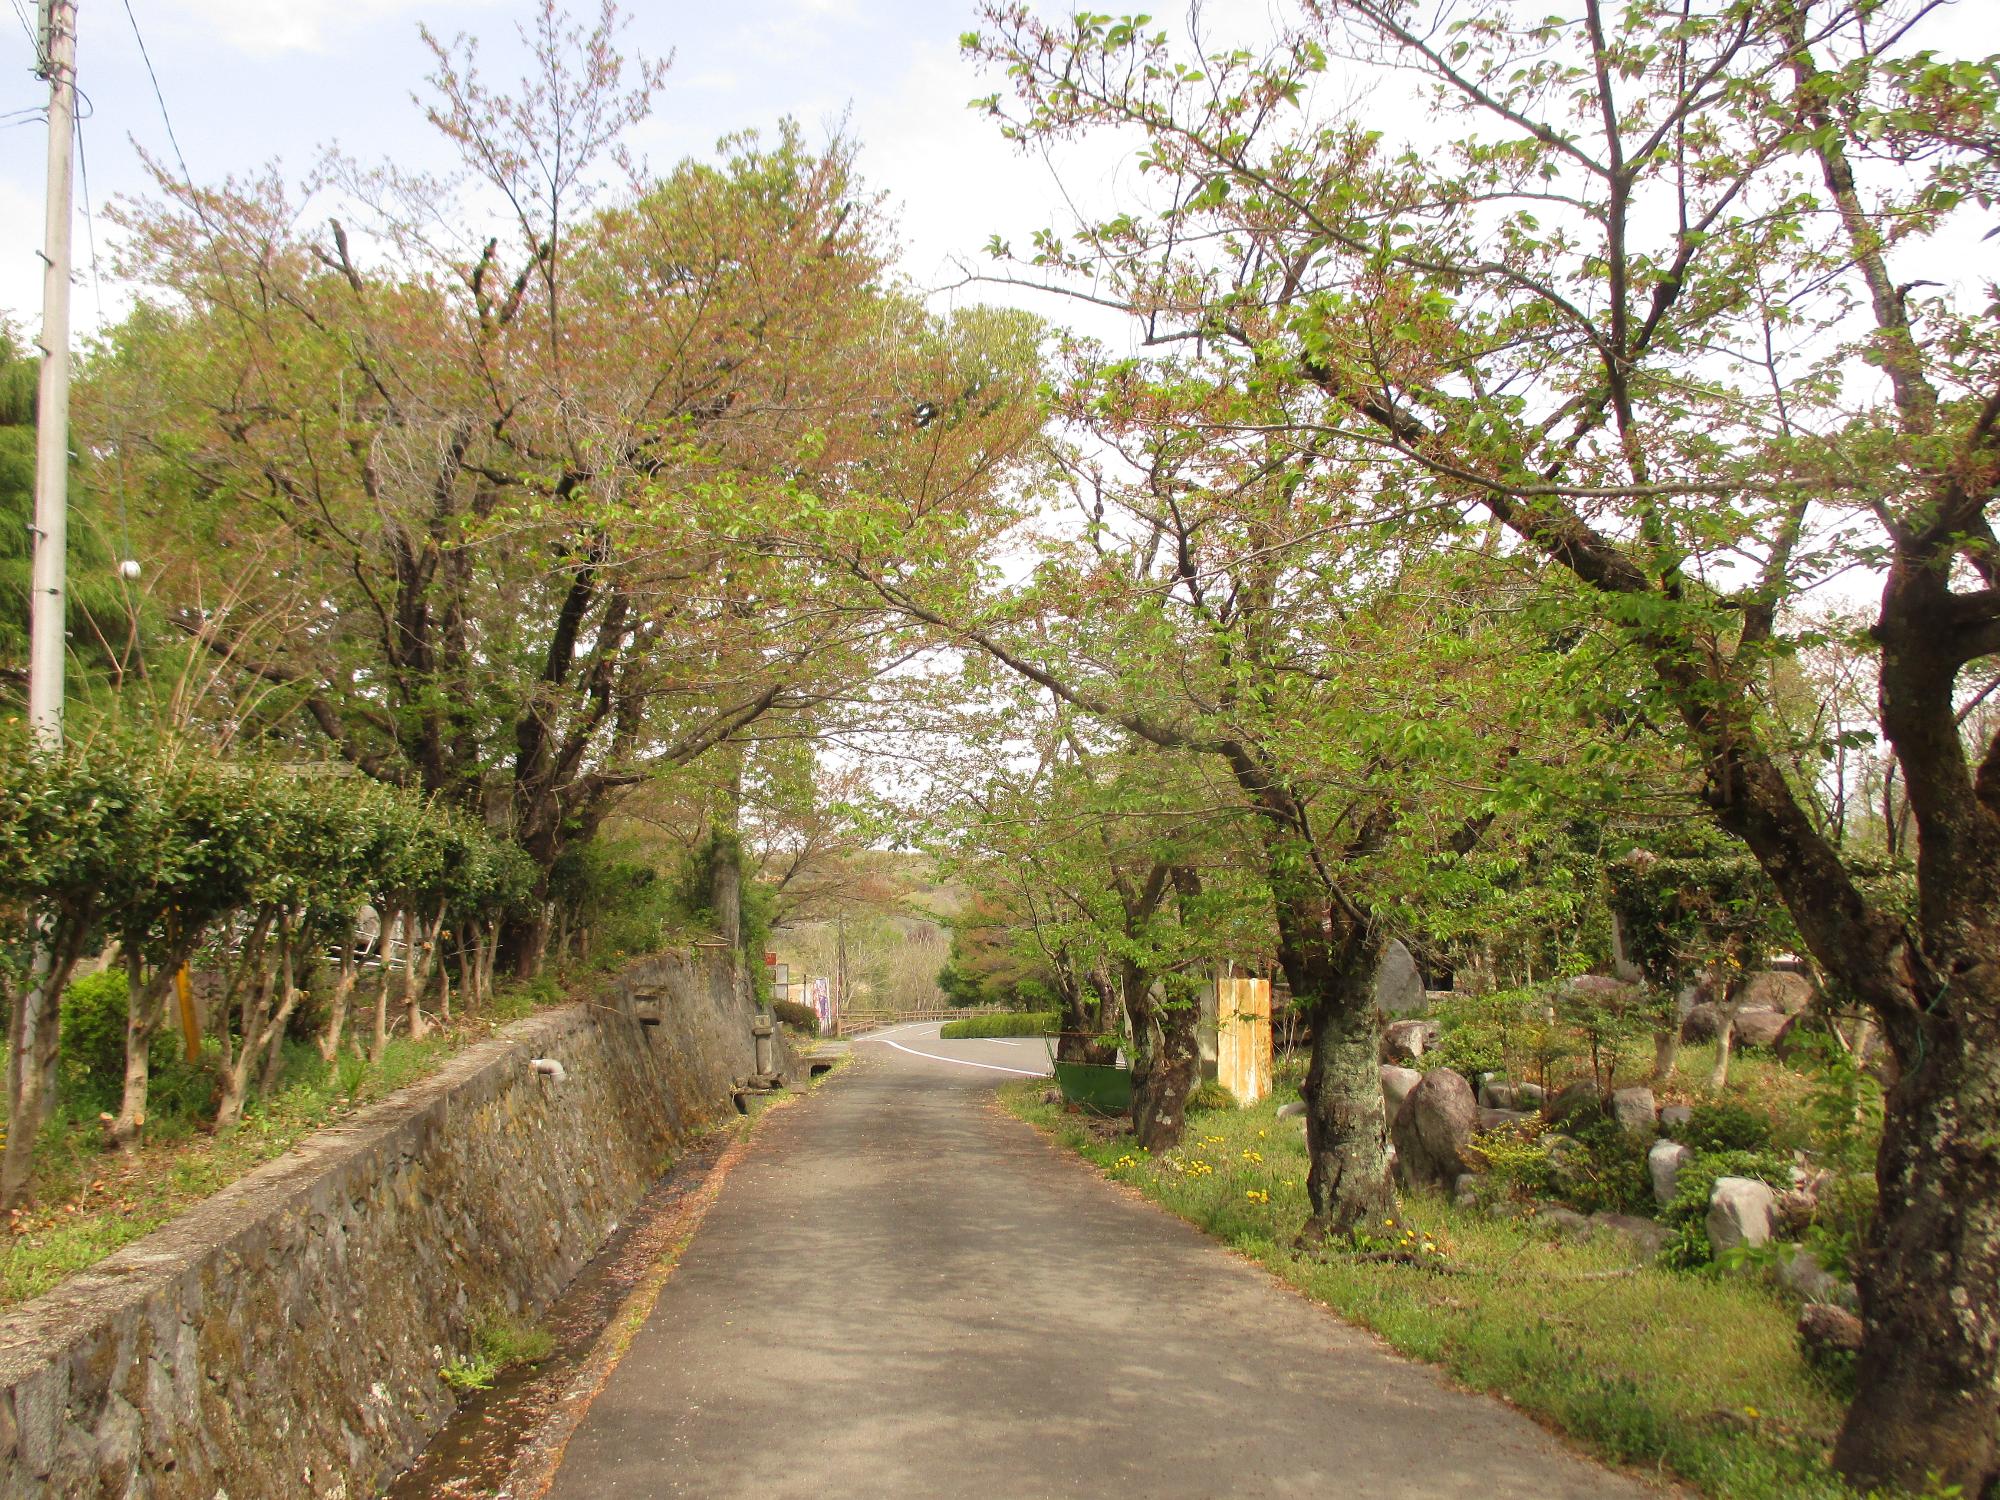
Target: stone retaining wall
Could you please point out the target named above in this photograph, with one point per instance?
(284, 1337)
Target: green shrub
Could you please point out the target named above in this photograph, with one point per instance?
(497, 1344)
(1505, 1031)
(1516, 1158)
(1605, 1170)
(1842, 1129)
(468, 1372)
(93, 1056)
(1210, 1095)
(183, 1094)
(93, 1033)
(1687, 1215)
(1003, 1023)
(1724, 1127)
(794, 1014)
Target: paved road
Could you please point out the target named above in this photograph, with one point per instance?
(902, 1292)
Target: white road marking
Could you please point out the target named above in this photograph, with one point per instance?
(963, 1062)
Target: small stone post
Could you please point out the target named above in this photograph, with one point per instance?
(761, 1030)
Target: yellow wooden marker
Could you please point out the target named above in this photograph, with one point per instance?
(190, 1022)
(1243, 1038)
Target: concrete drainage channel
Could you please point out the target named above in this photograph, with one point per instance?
(505, 1441)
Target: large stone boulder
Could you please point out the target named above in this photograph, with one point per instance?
(1701, 1022)
(1741, 1211)
(1529, 1096)
(1635, 1111)
(1674, 1116)
(1779, 990)
(1829, 1335)
(1404, 1042)
(1663, 1166)
(1759, 1028)
(1500, 1119)
(1432, 1128)
(1801, 1274)
(1495, 1092)
(1756, 1026)
(1399, 985)
(1396, 1085)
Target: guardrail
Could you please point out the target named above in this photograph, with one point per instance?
(854, 1022)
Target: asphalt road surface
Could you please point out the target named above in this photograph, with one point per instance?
(903, 1292)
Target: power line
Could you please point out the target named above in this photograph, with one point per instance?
(89, 222)
(34, 36)
(159, 97)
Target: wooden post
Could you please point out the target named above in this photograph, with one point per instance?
(190, 1022)
(1243, 1038)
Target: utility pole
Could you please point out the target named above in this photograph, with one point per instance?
(840, 970)
(31, 1030)
(48, 614)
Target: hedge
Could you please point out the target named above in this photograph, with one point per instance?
(173, 851)
(1002, 1023)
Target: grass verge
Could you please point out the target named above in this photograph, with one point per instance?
(1696, 1375)
(90, 1202)
(1004, 1023)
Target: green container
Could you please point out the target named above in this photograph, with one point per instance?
(1096, 1086)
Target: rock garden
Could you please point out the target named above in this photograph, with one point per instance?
(1761, 1169)
(1648, 1248)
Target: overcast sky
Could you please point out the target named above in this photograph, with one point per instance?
(247, 80)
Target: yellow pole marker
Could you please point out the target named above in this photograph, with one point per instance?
(190, 1022)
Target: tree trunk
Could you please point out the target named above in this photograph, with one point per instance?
(417, 972)
(1728, 993)
(489, 953)
(1082, 1027)
(1930, 1280)
(343, 992)
(468, 964)
(1725, 1039)
(379, 1044)
(1666, 1053)
(1157, 1129)
(289, 992)
(238, 1066)
(1347, 1136)
(33, 1041)
(1159, 1105)
(525, 939)
(146, 1001)
(444, 993)
(725, 877)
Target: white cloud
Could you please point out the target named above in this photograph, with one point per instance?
(267, 28)
(954, 181)
(20, 265)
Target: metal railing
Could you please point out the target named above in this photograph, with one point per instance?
(854, 1022)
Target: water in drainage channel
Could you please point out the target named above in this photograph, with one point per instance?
(475, 1450)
